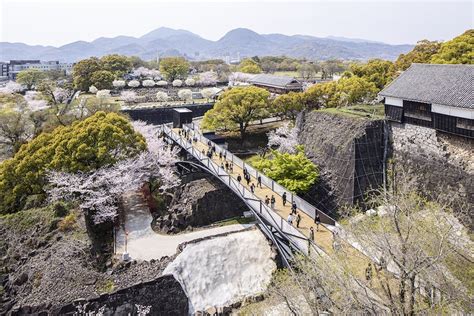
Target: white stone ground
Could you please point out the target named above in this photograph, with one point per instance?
(220, 271)
(144, 244)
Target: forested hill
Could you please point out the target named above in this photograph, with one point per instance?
(170, 42)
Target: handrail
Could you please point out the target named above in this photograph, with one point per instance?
(302, 204)
(294, 236)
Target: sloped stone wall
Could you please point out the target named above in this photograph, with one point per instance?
(349, 153)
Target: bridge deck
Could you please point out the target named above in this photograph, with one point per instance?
(324, 238)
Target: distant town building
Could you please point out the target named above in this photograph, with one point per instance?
(434, 96)
(277, 84)
(4, 70)
(12, 68)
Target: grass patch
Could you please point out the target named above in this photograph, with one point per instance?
(25, 220)
(358, 111)
(105, 286)
(462, 269)
(234, 220)
(68, 223)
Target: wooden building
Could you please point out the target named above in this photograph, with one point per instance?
(277, 84)
(434, 96)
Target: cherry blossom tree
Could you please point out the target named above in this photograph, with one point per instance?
(285, 138)
(207, 93)
(190, 82)
(134, 83)
(143, 72)
(11, 87)
(128, 96)
(237, 78)
(98, 192)
(177, 83)
(162, 83)
(208, 78)
(60, 95)
(148, 83)
(103, 94)
(118, 84)
(162, 96)
(93, 89)
(185, 94)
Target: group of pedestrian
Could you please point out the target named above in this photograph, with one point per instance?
(229, 166)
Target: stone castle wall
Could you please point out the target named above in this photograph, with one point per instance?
(443, 164)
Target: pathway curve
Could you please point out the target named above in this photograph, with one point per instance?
(143, 243)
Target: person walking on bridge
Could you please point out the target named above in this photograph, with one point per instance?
(267, 200)
(290, 219)
(239, 178)
(293, 207)
(298, 220)
(259, 181)
(284, 198)
(317, 220)
(252, 188)
(311, 233)
(272, 201)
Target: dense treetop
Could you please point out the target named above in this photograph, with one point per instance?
(238, 107)
(100, 140)
(174, 68)
(459, 50)
(294, 171)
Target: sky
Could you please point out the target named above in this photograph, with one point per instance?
(58, 22)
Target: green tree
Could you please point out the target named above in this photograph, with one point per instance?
(421, 53)
(354, 90)
(82, 73)
(15, 124)
(100, 140)
(238, 106)
(116, 64)
(288, 105)
(30, 77)
(249, 66)
(174, 68)
(102, 79)
(321, 95)
(378, 71)
(459, 50)
(294, 171)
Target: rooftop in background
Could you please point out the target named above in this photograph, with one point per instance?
(278, 82)
(450, 85)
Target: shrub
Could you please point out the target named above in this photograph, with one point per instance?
(190, 82)
(93, 89)
(177, 83)
(68, 223)
(60, 209)
(134, 83)
(148, 83)
(185, 94)
(161, 96)
(162, 83)
(118, 83)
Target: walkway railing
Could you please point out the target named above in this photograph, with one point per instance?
(302, 204)
(297, 239)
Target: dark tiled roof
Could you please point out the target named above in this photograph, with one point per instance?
(451, 85)
(274, 81)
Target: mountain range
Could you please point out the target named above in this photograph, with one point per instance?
(244, 42)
